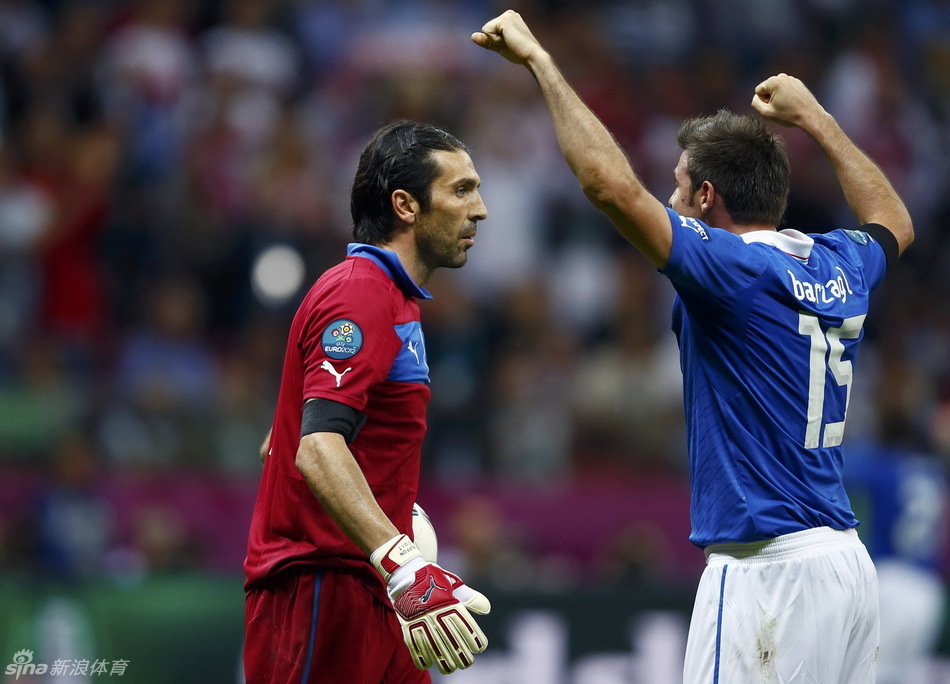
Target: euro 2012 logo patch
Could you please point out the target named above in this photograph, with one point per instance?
(342, 339)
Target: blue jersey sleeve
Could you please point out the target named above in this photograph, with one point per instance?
(861, 250)
(708, 259)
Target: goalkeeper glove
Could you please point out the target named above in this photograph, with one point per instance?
(434, 607)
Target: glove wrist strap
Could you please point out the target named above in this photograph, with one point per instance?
(393, 555)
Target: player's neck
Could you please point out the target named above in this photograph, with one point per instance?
(405, 250)
(721, 219)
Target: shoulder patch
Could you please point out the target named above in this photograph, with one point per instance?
(858, 236)
(342, 339)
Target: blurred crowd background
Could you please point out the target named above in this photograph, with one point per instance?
(174, 174)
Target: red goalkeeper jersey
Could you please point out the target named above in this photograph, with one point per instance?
(356, 339)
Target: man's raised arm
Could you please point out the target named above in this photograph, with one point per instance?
(601, 167)
(786, 101)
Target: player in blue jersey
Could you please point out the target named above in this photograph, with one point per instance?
(899, 489)
(768, 323)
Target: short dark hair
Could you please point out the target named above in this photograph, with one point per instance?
(746, 163)
(399, 157)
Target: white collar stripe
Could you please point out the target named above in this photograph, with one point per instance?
(792, 242)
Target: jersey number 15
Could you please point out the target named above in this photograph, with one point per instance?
(826, 352)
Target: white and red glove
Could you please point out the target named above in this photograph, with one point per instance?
(434, 607)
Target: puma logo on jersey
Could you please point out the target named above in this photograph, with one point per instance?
(411, 346)
(432, 587)
(327, 366)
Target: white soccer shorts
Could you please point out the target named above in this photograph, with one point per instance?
(798, 609)
(912, 615)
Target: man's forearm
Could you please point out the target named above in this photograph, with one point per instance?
(867, 189)
(589, 148)
(600, 164)
(338, 483)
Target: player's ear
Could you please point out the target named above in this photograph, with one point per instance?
(405, 206)
(707, 195)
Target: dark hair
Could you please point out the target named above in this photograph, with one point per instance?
(744, 161)
(397, 158)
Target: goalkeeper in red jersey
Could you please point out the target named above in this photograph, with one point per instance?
(336, 589)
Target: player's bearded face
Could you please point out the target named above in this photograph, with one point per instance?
(447, 230)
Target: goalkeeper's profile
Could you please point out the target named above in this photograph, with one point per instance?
(336, 589)
(769, 321)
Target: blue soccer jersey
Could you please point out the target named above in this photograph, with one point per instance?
(768, 325)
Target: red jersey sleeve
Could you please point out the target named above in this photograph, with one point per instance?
(348, 343)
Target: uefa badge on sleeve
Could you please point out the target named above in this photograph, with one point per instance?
(858, 236)
(342, 339)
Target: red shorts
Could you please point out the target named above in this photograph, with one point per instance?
(323, 627)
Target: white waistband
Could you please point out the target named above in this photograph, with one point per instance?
(806, 542)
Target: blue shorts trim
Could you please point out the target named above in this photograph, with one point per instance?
(722, 594)
(318, 580)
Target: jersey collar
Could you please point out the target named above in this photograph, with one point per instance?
(389, 262)
(789, 241)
